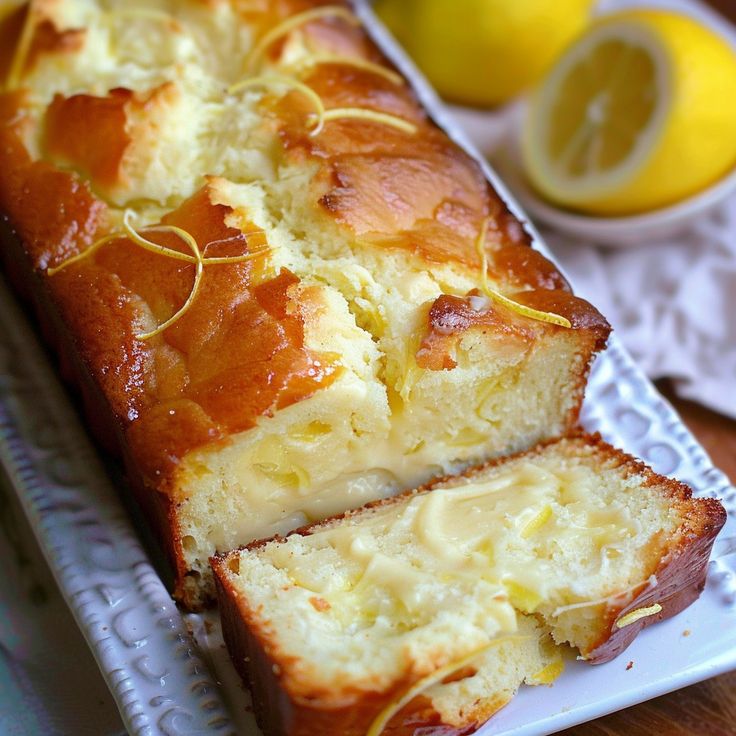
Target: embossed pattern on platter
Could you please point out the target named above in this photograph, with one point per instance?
(120, 603)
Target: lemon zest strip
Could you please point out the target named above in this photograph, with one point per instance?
(322, 115)
(355, 61)
(192, 243)
(155, 247)
(384, 717)
(82, 254)
(634, 616)
(272, 80)
(149, 245)
(496, 296)
(219, 260)
(20, 55)
(294, 21)
(138, 239)
(361, 113)
(651, 582)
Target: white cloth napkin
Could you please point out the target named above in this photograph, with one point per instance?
(672, 303)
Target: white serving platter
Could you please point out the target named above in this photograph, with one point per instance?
(169, 672)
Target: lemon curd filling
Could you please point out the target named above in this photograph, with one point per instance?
(457, 582)
(531, 535)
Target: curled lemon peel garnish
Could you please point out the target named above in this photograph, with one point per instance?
(129, 232)
(161, 249)
(199, 271)
(294, 21)
(83, 254)
(651, 582)
(639, 613)
(20, 55)
(384, 717)
(196, 258)
(354, 61)
(273, 80)
(522, 309)
(320, 115)
(149, 245)
(361, 113)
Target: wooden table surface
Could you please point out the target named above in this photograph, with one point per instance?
(708, 708)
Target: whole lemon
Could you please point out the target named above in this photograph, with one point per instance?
(483, 52)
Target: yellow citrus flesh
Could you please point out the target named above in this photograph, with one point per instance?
(638, 114)
(484, 52)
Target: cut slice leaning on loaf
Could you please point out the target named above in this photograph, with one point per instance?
(432, 608)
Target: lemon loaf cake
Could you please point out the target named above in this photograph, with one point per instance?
(281, 289)
(431, 608)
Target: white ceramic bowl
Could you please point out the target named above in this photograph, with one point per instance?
(620, 232)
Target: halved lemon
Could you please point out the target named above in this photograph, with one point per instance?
(639, 113)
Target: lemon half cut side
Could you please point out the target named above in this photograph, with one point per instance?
(636, 115)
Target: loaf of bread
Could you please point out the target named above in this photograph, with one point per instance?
(428, 610)
(281, 289)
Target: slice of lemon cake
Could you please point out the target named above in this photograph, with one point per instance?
(430, 609)
(282, 290)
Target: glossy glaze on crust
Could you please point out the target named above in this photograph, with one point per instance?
(237, 354)
(417, 192)
(680, 576)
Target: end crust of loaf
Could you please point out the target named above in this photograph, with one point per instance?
(670, 577)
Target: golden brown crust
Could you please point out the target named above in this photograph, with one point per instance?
(103, 424)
